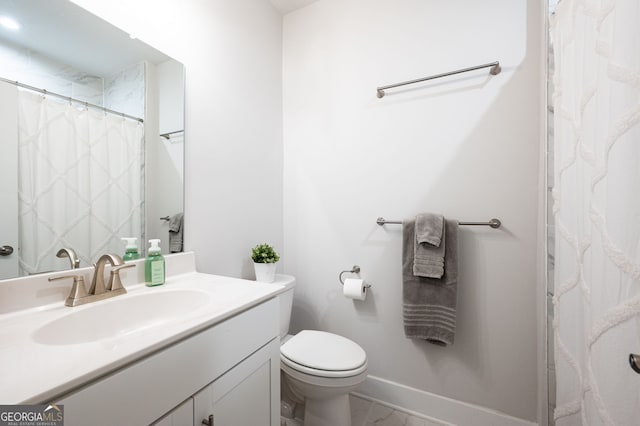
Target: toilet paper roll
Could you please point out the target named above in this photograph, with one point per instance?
(354, 289)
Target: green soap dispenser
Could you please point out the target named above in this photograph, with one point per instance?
(154, 265)
(131, 251)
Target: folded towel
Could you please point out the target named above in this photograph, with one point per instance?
(176, 227)
(429, 247)
(429, 228)
(428, 304)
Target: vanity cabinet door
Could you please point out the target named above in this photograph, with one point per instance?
(180, 416)
(245, 394)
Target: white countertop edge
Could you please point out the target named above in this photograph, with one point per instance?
(75, 383)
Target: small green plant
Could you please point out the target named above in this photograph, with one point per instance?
(264, 253)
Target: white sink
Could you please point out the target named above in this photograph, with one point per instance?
(120, 316)
(88, 341)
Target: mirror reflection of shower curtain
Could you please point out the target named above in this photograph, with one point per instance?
(80, 181)
(596, 203)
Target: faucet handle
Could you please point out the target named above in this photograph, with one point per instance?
(114, 280)
(78, 290)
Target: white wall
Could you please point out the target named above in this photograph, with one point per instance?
(165, 157)
(466, 146)
(171, 96)
(233, 129)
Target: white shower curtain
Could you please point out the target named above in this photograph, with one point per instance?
(80, 181)
(596, 204)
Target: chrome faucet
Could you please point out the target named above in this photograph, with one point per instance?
(98, 289)
(97, 284)
(71, 254)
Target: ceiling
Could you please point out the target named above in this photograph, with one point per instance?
(286, 6)
(71, 35)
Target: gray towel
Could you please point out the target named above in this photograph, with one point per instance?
(429, 305)
(429, 228)
(429, 247)
(176, 227)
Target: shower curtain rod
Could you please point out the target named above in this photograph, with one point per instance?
(67, 98)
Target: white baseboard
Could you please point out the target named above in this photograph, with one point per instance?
(434, 406)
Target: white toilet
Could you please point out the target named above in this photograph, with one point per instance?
(318, 368)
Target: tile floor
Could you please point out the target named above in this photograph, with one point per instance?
(371, 413)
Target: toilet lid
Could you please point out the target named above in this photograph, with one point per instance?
(324, 351)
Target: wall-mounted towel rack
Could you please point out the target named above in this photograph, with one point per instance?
(495, 70)
(167, 136)
(494, 223)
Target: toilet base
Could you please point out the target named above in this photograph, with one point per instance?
(324, 391)
(334, 411)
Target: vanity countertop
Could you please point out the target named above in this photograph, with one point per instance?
(41, 359)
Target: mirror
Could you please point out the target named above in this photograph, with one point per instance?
(92, 151)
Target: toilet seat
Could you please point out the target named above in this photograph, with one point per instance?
(323, 354)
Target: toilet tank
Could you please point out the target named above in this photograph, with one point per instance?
(286, 301)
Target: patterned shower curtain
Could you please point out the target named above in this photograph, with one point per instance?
(596, 205)
(80, 181)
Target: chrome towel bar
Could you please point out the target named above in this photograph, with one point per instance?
(494, 223)
(495, 70)
(167, 136)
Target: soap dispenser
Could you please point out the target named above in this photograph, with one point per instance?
(154, 265)
(131, 251)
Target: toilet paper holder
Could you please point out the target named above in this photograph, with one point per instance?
(354, 270)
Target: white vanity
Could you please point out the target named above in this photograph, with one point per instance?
(201, 345)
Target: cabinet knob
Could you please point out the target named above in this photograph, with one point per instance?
(209, 421)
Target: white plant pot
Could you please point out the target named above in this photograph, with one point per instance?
(265, 272)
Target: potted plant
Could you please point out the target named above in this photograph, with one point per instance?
(264, 261)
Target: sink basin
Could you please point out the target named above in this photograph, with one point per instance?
(120, 316)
